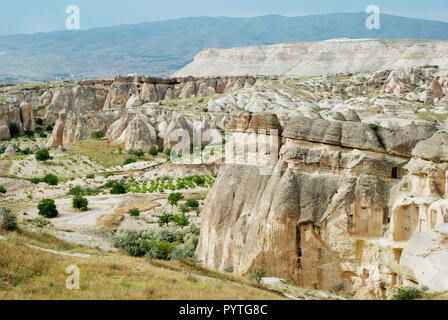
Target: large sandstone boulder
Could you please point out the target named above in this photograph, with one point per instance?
(140, 134)
(434, 149)
(401, 140)
(425, 259)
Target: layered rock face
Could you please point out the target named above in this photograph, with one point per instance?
(316, 58)
(337, 206)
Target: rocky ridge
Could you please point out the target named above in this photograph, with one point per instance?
(317, 58)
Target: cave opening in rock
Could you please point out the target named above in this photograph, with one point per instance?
(394, 173)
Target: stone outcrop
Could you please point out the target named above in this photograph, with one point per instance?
(337, 205)
(132, 92)
(425, 259)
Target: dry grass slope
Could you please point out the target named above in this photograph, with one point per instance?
(28, 273)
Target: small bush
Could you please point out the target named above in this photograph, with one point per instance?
(134, 212)
(187, 249)
(36, 180)
(49, 128)
(47, 208)
(42, 134)
(192, 203)
(409, 293)
(159, 250)
(8, 219)
(139, 153)
(51, 179)
(118, 188)
(80, 203)
(90, 176)
(99, 134)
(132, 243)
(153, 151)
(257, 274)
(229, 268)
(337, 286)
(168, 152)
(39, 121)
(29, 133)
(43, 155)
(128, 161)
(2, 189)
(26, 151)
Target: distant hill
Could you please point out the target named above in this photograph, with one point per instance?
(161, 48)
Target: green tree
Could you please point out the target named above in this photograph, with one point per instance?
(174, 198)
(2, 189)
(118, 188)
(47, 208)
(43, 155)
(51, 179)
(181, 220)
(257, 274)
(80, 203)
(165, 219)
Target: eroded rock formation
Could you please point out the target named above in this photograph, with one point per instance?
(337, 205)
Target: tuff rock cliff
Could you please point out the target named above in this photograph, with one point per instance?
(336, 202)
(316, 58)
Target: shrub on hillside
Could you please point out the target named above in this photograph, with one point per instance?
(80, 203)
(43, 155)
(100, 134)
(39, 121)
(153, 151)
(8, 219)
(159, 244)
(129, 161)
(134, 212)
(159, 249)
(409, 293)
(192, 203)
(51, 179)
(118, 188)
(2, 189)
(47, 208)
(257, 274)
(36, 180)
(139, 153)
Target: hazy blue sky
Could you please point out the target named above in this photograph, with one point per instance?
(25, 16)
